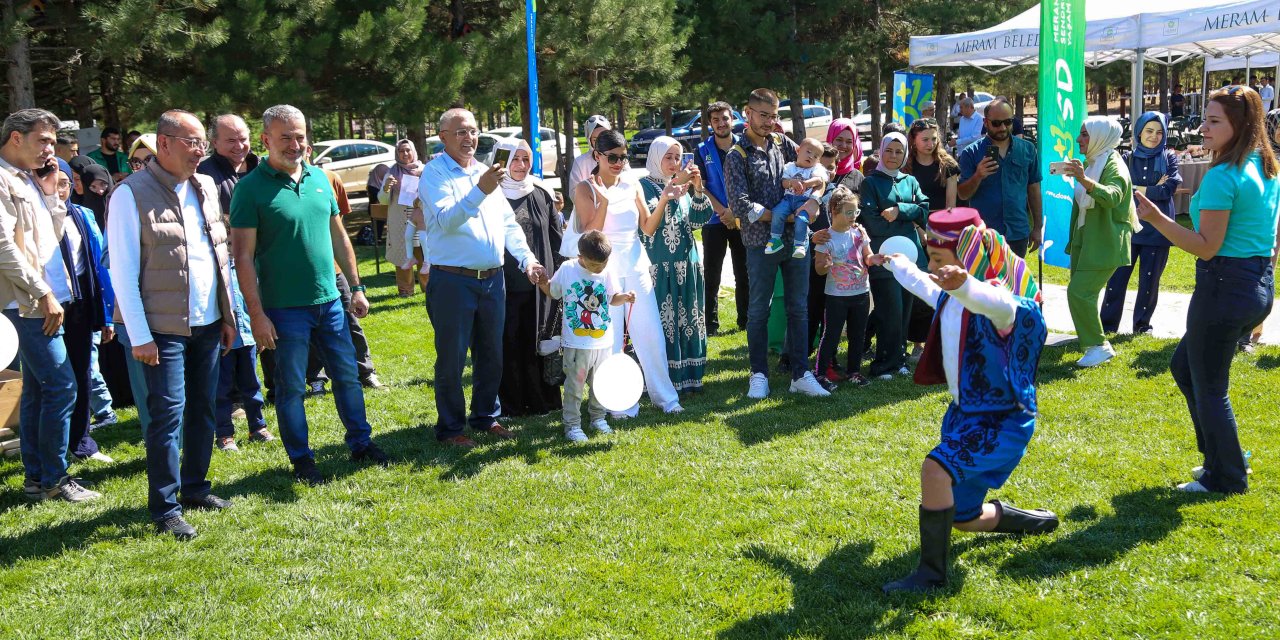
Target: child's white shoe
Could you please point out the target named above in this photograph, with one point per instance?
(799, 252)
(575, 434)
(601, 426)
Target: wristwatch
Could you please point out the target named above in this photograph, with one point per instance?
(361, 288)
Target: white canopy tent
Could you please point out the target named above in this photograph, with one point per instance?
(1258, 61)
(1164, 31)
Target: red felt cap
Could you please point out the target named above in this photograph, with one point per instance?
(945, 225)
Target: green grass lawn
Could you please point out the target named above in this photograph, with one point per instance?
(1179, 274)
(736, 520)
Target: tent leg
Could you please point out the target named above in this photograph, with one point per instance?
(1137, 101)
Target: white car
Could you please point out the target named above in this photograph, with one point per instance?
(817, 119)
(548, 136)
(486, 148)
(352, 160)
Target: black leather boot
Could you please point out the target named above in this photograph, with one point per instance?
(1015, 520)
(935, 553)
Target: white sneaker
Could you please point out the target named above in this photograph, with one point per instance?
(905, 371)
(1097, 355)
(601, 426)
(885, 376)
(1193, 487)
(69, 491)
(808, 385)
(799, 252)
(676, 409)
(101, 457)
(759, 386)
(575, 434)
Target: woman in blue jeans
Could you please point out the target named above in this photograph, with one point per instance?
(1234, 213)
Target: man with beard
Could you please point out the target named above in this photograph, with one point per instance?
(1006, 192)
(109, 155)
(718, 235)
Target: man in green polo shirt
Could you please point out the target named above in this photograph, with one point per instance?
(286, 232)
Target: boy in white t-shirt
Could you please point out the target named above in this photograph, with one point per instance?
(843, 260)
(587, 335)
(803, 179)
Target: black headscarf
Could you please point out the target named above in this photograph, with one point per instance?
(90, 200)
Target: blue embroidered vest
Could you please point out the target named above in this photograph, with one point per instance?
(997, 373)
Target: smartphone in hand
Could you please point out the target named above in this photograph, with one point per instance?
(686, 159)
(1059, 168)
(503, 157)
(993, 153)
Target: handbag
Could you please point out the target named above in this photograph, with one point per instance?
(551, 348)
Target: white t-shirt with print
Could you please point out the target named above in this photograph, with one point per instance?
(586, 295)
(792, 172)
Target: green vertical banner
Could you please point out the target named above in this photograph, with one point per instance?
(1061, 112)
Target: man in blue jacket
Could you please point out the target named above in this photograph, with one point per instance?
(717, 236)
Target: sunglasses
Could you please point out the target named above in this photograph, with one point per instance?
(924, 123)
(1008, 122)
(616, 158)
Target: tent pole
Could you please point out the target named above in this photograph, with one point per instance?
(1136, 103)
(1204, 88)
(1248, 68)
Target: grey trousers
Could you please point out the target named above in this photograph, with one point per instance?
(579, 371)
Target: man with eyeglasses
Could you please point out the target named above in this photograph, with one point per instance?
(175, 306)
(753, 173)
(1006, 192)
(470, 227)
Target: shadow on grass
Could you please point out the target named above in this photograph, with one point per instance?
(1144, 516)
(71, 535)
(1268, 361)
(841, 597)
(1154, 362)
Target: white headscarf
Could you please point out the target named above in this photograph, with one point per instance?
(1104, 137)
(514, 189)
(653, 161)
(884, 144)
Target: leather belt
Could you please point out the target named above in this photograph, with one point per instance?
(470, 273)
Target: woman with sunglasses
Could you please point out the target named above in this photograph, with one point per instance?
(609, 202)
(1233, 237)
(142, 152)
(678, 278)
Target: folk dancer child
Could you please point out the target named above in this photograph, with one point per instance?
(587, 341)
(985, 343)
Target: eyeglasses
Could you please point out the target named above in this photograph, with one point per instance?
(194, 144)
(616, 158)
(767, 116)
(463, 133)
(1007, 122)
(136, 164)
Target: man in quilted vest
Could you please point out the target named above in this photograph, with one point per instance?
(169, 267)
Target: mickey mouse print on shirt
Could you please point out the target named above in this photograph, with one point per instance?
(588, 324)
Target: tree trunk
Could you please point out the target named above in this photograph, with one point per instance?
(1019, 104)
(706, 118)
(621, 123)
(107, 84)
(571, 135)
(1102, 99)
(873, 100)
(525, 117)
(418, 136)
(833, 101)
(81, 96)
(666, 118)
(1164, 88)
(797, 115)
(22, 92)
(560, 150)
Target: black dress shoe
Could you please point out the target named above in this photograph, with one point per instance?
(373, 454)
(304, 471)
(176, 527)
(206, 501)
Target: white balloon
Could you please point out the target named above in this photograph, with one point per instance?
(8, 341)
(900, 244)
(618, 383)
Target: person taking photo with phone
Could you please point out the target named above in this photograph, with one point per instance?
(1000, 177)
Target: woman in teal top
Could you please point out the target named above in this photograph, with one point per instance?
(677, 268)
(892, 204)
(1234, 216)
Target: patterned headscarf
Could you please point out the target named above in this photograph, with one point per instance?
(837, 127)
(1273, 124)
(986, 255)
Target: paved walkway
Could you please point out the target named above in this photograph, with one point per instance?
(1170, 320)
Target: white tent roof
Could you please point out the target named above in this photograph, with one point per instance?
(1166, 29)
(1261, 62)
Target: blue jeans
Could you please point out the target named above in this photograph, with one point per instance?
(761, 272)
(467, 314)
(48, 395)
(137, 381)
(299, 329)
(239, 371)
(180, 394)
(778, 223)
(1232, 296)
(100, 395)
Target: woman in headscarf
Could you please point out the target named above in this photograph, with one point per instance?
(1153, 171)
(531, 316)
(677, 268)
(892, 205)
(843, 135)
(142, 151)
(95, 183)
(398, 251)
(611, 203)
(1103, 219)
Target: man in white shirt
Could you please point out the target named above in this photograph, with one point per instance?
(34, 289)
(469, 228)
(176, 310)
(584, 164)
(1267, 93)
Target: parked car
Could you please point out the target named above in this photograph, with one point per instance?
(686, 126)
(862, 122)
(486, 147)
(352, 160)
(548, 140)
(817, 119)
